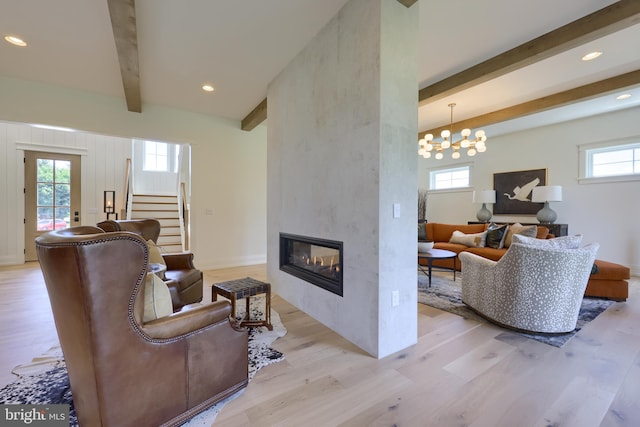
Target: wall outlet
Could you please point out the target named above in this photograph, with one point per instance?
(395, 298)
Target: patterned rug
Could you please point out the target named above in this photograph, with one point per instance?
(445, 294)
(45, 379)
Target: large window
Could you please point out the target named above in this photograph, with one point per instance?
(610, 161)
(444, 179)
(161, 157)
(156, 156)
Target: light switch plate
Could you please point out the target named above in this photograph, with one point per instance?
(396, 210)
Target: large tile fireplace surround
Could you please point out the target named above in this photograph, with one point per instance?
(317, 261)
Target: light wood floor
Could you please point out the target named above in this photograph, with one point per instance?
(458, 374)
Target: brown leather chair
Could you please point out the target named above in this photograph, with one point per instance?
(183, 278)
(123, 371)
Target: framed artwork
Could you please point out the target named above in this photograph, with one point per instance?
(513, 191)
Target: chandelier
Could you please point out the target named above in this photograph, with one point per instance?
(473, 146)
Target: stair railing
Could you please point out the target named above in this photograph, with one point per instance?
(127, 188)
(184, 213)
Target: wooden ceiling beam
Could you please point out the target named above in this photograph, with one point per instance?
(610, 19)
(545, 103)
(255, 117)
(125, 34)
(407, 3)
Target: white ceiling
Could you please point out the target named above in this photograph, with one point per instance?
(240, 46)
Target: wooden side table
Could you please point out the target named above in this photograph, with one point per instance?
(245, 288)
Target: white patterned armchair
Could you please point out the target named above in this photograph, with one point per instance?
(530, 288)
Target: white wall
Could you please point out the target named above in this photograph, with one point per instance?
(606, 213)
(228, 207)
(342, 121)
(102, 168)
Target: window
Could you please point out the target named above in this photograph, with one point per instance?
(613, 161)
(156, 156)
(443, 179)
(53, 194)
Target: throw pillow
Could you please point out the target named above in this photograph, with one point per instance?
(155, 257)
(523, 230)
(476, 240)
(157, 299)
(496, 235)
(565, 242)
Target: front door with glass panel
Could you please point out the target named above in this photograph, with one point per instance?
(52, 195)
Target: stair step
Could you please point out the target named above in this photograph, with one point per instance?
(170, 248)
(159, 215)
(165, 209)
(153, 198)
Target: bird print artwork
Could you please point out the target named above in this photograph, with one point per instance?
(522, 193)
(514, 191)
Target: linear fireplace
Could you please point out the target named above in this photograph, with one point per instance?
(317, 261)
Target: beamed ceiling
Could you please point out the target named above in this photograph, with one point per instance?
(503, 62)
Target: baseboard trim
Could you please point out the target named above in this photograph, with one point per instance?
(9, 260)
(231, 262)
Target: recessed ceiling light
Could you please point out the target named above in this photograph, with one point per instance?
(623, 96)
(15, 40)
(590, 56)
(63, 129)
(208, 88)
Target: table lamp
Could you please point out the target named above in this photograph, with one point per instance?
(484, 197)
(545, 194)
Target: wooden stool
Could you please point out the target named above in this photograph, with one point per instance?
(245, 288)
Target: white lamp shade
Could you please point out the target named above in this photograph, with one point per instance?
(484, 196)
(547, 193)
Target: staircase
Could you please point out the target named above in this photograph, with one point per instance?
(165, 209)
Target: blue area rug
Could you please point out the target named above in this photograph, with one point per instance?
(446, 295)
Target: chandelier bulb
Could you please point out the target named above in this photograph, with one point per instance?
(455, 155)
(439, 155)
(465, 132)
(471, 152)
(445, 144)
(445, 134)
(480, 134)
(428, 137)
(428, 147)
(426, 155)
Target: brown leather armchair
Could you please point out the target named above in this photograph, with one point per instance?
(183, 278)
(123, 371)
